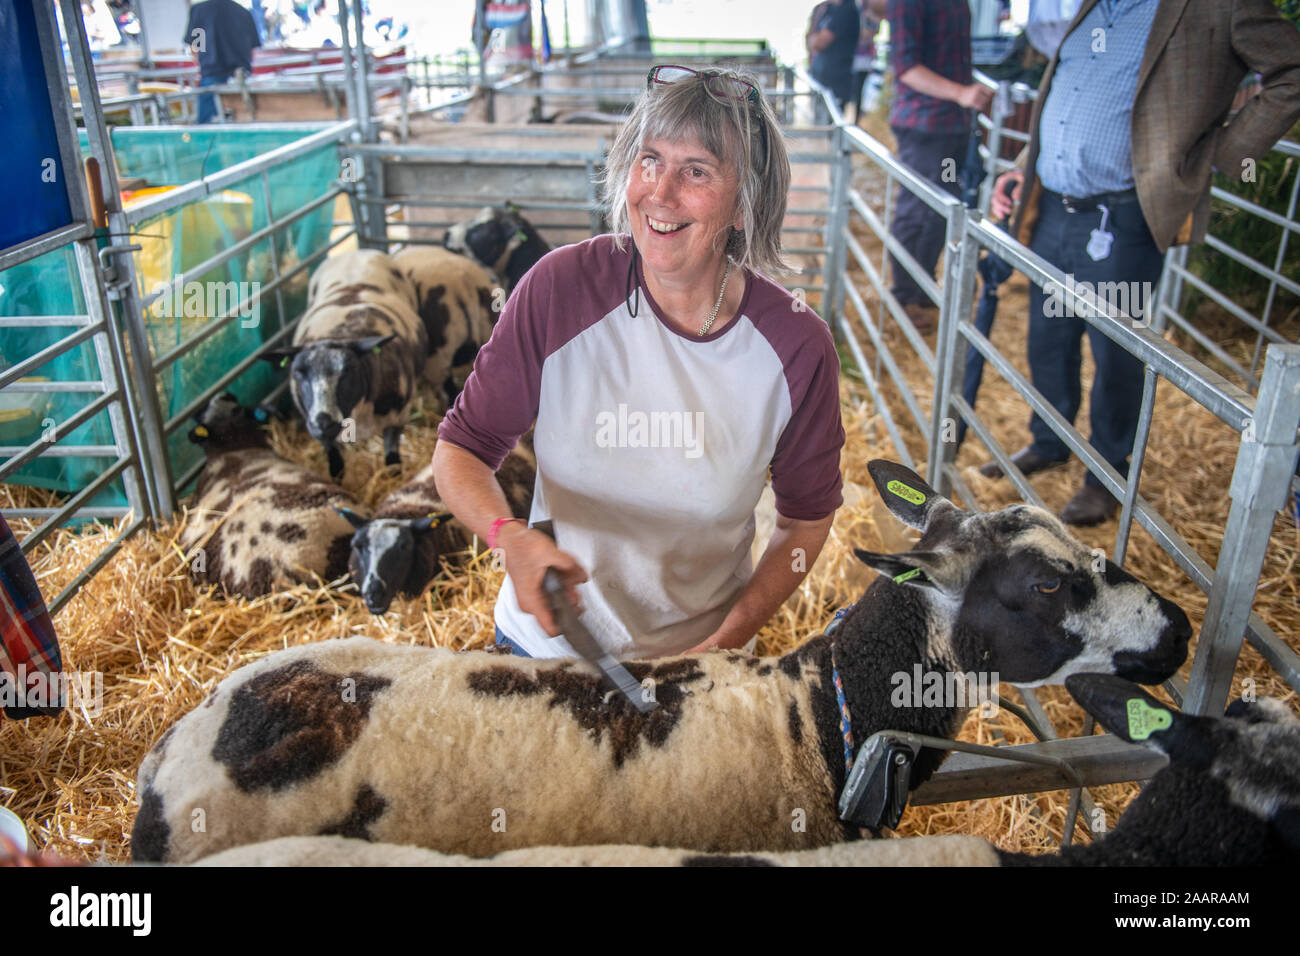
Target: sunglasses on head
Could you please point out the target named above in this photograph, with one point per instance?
(723, 88)
(719, 86)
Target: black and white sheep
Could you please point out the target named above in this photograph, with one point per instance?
(501, 240)
(259, 522)
(357, 353)
(475, 754)
(400, 549)
(456, 300)
(1229, 797)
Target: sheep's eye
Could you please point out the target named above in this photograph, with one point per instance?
(1048, 587)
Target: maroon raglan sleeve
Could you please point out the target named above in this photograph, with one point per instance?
(500, 399)
(806, 467)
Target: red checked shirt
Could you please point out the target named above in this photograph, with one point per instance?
(28, 645)
(933, 34)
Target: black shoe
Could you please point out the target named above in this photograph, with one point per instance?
(1027, 460)
(1090, 505)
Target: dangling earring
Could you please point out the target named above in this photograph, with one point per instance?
(735, 242)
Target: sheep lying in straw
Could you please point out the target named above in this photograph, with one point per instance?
(399, 550)
(475, 754)
(259, 522)
(1229, 797)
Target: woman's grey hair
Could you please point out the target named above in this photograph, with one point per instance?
(733, 131)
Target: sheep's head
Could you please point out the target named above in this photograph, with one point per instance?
(1231, 792)
(491, 237)
(387, 553)
(225, 425)
(1021, 596)
(328, 379)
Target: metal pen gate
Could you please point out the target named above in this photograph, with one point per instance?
(434, 178)
(1266, 422)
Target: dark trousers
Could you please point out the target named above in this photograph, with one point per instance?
(1056, 336)
(916, 226)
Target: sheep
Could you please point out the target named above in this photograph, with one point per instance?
(259, 521)
(1230, 796)
(357, 353)
(501, 240)
(399, 549)
(475, 754)
(455, 299)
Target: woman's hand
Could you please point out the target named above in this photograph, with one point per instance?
(528, 553)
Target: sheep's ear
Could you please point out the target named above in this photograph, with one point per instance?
(920, 569)
(281, 358)
(371, 343)
(430, 521)
(1131, 714)
(906, 494)
(352, 517)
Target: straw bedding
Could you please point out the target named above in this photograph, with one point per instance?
(162, 643)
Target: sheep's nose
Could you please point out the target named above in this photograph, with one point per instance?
(326, 428)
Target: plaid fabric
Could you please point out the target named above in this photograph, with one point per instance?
(1086, 144)
(28, 644)
(933, 34)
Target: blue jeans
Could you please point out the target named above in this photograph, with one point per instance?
(515, 649)
(210, 104)
(1055, 341)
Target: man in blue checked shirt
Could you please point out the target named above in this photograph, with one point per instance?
(1131, 121)
(930, 118)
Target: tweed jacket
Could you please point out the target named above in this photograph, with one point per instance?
(1196, 56)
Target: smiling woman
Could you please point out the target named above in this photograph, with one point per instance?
(666, 380)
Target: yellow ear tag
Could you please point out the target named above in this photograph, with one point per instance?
(906, 492)
(201, 431)
(435, 522)
(1144, 720)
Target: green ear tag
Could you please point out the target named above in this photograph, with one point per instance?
(1144, 720)
(907, 575)
(521, 236)
(906, 492)
(284, 362)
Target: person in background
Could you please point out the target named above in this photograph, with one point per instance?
(832, 39)
(935, 90)
(864, 59)
(1131, 121)
(222, 35)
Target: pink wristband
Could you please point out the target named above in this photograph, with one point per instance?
(495, 529)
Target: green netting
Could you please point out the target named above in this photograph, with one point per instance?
(45, 286)
(173, 243)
